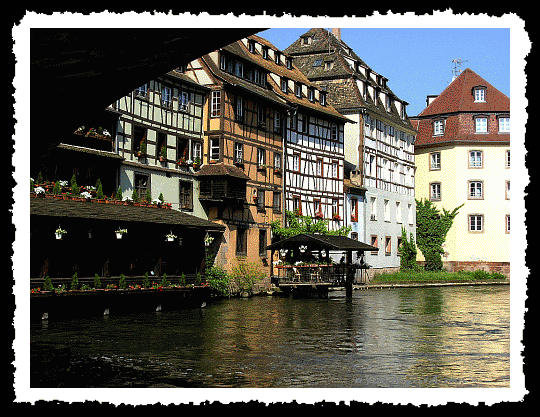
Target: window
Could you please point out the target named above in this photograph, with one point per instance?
(277, 122)
(296, 162)
(261, 114)
(335, 207)
(260, 200)
(328, 65)
(311, 94)
(387, 245)
(166, 99)
(476, 223)
(438, 127)
(239, 114)
(197, 150)
(410, 213)
(479, 95)
(435, 191)
(216, 104)
(276, 201)
(302, 123)
(262, 242)
(241, 241)
(373, 208)
(141, 91)
(435, 161)
(251, 46)
(507, 223)
(238, 69)
(142, 185)
(374, 241)
(183, 99)
(354, 236)
(386, 210)
(504, 124)
(139, 139)
(297, 206)
(317, 208)
(306, 40)
(319, 167)
(475, 159)
(480, 124)
(214, 148)
(289, 63)
(354, 209)
(265, 52)
(476, 190)
(161, 145)
(238, 153)
(507, 190)
(283, 84)
(298, 90)
(223, 62)
(335, 169)
(507, 161)
(334, 131)
(398, 212)
(261, 157)
(322, 98)
(277, 161)
(277, 57)
(186, 195)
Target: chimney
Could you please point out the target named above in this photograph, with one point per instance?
(337, 33)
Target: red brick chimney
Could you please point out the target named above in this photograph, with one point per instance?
(337, 33)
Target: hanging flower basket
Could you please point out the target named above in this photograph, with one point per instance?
(208, 240)
(59, 233)
(170, 237)
(120, 233)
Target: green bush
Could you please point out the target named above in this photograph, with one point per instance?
(246, 275)
(218, 279)
(122, 283)
(164, 281)
(47, 284)
(146, 281)
(74, 282)
(97, 281)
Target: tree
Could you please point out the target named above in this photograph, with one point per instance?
(431, 230)
(304, 224)
(407, 252)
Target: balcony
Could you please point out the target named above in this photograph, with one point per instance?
(221, 183)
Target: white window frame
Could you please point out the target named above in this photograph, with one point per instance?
(438, 127)
(504, 124)
(481, 124)
(476, 159)
(166, 96)
(435, 191)
(479, 95)
(214, 148)
(238, 153)
(216, 104)
(476, 189)
(435, 161)
(476, 222)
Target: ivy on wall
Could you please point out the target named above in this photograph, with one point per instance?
(431, 229)
(407, 251)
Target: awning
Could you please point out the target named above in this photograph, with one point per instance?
(320, 242)
(126, 213)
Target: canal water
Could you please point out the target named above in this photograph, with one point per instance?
(401, 337)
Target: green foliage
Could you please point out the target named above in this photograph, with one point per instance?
(146, 281)
(135, 196)
(74, 282)
(164, 281)
(74, 186)
(435, 276)
(47, 284)
(99, 191)
(160, 198)
(97, 281)
(39, 179)
(182, 280)
(122, 282)
(57, 190)
(297, 224)
(118, 195)
(32, 186)
(431, 230)
(245, 275)
(148, 196)
(219, 280)
(408, 252)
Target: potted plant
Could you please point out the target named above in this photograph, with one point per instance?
(208, 240)
(197, 163)
(59, 233)
(120, 233)
(170, 237)
(163, 153)
(353, 218)
(336, 217)
(80, 131)
(128, 201)
(142, 148)
(319, 215)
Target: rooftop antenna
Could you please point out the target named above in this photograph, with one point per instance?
(457, 67)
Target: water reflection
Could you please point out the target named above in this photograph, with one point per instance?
(410, 337)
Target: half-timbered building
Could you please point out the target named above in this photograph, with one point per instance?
(379, 143)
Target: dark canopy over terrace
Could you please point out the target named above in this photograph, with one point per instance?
(320, 274)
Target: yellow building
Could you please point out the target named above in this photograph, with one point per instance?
(463, 157)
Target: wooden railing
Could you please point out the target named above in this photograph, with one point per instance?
(335, 275)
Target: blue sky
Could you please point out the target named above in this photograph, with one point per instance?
(418, 62)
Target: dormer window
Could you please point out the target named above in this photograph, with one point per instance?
(311, 94)
(284, 83)
(438, 127)
(322, 98)
(306, 40)
(277, 57)
(289, 62)
(479, 94)
(328, 65)
(265, 52)
(298, 90)
(251, 46)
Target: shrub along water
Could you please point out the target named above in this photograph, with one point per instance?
(436, 276)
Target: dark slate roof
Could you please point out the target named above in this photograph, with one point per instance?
(340, 80)
(330, 242)
(221, 169)
(126, 213)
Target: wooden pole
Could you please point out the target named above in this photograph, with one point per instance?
(350, 275)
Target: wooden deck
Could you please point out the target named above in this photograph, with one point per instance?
(315, 274)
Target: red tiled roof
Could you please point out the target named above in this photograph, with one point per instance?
(457, 106)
